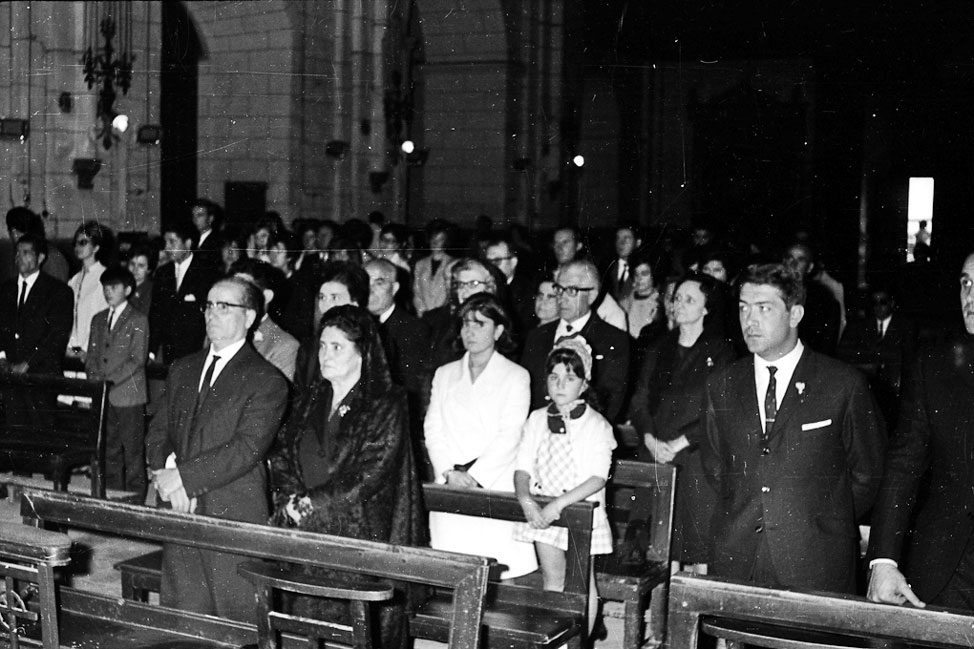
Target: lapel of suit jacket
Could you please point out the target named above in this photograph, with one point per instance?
(123, 318)
(792, 402)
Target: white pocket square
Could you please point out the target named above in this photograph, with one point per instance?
(817, 424)
(189, 298)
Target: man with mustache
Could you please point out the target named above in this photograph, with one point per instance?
(794, 445)
(934, 438)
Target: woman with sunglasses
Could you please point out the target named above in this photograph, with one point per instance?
(89, 298)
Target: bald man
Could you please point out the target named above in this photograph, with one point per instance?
(577, 285)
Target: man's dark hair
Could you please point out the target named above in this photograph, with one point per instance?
(39, 243)
(211, 208)
(376, 217)
(118, 276)
(635, 228)
(397, 230)
(788, 282)
(184, 230)
(499, 238)
(353, 277)
(24, 220)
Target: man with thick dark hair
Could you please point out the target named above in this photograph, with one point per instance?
(793, 447)
(21, 221)
(176, 326)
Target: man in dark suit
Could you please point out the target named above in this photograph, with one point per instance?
(618, 275)
(206, 447)
(521, 288)
(577, 286)
(406, 343)
(35, 324)
(206, 217)
(176, 326)
(881, 345)
(932, 546)
(793, 447)
(821, 324)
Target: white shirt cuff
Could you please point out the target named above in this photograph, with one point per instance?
(888, 562)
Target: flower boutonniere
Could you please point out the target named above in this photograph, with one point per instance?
(343, 410)
(710, 362)
(800, 386)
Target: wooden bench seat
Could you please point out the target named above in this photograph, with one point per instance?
(76, 439)
(519, 614)
(790, 619)
(640, 497)
(465, 577)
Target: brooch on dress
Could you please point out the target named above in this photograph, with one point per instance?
(710, 362)
(343, 410)
(800, 386)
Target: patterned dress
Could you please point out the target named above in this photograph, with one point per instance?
(559, 453)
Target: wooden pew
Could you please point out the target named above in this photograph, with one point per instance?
(639, 493)
(76, 439)
(801, 620)
(518, 614)
(87, 616)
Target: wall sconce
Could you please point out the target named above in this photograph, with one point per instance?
(86, 169)
(149, 134)
(14, 129)
(337, 149)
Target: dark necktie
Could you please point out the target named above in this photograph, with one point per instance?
(23, 295)
(770, 409)
(205, 388)
(111, 319)
(623, 272)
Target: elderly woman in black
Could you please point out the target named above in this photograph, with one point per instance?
(343, 464)
(667, 402)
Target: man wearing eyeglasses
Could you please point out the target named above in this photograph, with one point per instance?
(577, 286)
(206, 445)
(502, 254)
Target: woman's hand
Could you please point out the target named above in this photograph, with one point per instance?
(460, 479)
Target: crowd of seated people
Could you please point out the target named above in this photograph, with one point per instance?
(411, 357)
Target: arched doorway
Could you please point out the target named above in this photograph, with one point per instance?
(181, 52)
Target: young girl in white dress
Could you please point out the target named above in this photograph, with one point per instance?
(565, 453)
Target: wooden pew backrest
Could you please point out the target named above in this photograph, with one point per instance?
(694, 599)
(76, 439)
(466, 576)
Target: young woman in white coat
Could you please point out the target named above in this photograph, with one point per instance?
(473, 428)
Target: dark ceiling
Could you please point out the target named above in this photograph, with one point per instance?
(870, 36)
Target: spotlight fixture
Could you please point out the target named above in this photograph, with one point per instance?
(579, 161)
(408, 146)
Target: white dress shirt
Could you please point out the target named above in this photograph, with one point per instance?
(225, 355)
(786, 368)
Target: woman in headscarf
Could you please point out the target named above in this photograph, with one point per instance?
(343, 464)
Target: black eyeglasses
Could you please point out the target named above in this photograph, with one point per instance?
(221, 308)
(571, 291)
